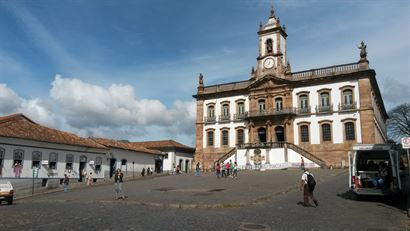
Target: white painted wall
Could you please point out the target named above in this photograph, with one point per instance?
(174, 157)
(141, 160)
(28, 146)
(337, 125)
(231, 125)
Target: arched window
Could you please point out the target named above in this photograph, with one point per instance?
(210, 138)
(326, 132)
(225, 109)
(36, 158)
(98, 163)
(240, 136)
(269, 46)
(240, 108)
(69, 159)
(304, 133)
(348, 97)
(262, 106)
(304, 101)
(262, 135)
(349, 131)
(18, 157)
(324, 99)
(52, 162)
(225, 137)
(279, 104)
(211, 111)
(124, 162)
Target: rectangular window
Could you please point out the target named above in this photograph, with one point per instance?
(240, 138)
(210, 138)
(52, 162)
(304, 133)
(349, 131)
(18, 157)
(69, 159)
(225, 138)
(326, 132)
(36, 159)
(241, 108)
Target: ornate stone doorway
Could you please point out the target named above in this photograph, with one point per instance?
(262, 135)
(280, 134)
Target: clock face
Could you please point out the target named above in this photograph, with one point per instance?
(268, 63)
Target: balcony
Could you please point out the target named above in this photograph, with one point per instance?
(210, 119)
(238, 117)
(271, 112)
(303, 111)
(324, 109)
(261, 145)
(347, 107)
(224, 118)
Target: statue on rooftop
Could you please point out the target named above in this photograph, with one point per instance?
(201, 79)
(363, 52)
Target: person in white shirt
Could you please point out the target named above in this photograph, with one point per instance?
(308, 188)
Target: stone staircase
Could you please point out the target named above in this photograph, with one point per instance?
(306, 154)
(225, 156)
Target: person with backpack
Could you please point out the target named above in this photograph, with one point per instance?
(308, 184)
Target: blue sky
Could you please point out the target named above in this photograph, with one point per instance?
(58, 57)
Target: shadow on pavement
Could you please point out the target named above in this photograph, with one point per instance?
(396, 201)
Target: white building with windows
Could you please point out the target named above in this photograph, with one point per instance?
(26, 146)
(278, 117)
(174, 154)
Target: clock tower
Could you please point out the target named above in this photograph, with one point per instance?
(272, 49)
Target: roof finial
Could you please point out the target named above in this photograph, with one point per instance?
(272, 12)
(201, 79)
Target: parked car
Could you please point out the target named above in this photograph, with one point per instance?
(6, 191)
(374, 170)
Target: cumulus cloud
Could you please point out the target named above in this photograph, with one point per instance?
(37, 109)
(92, 110)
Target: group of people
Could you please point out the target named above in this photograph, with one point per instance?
(149, 172)
(226, 169)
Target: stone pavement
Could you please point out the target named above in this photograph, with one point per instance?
(206, 191)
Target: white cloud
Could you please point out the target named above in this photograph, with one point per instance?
(9, 100)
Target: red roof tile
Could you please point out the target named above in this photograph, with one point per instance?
(126, 146)
(163, 144)
(19, 126)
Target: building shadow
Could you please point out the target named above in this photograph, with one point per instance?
(397, 201)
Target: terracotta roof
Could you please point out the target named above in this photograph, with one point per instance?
(19, 126)
(126, 146)
(163, 144)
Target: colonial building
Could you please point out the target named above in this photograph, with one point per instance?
(278, 116)
(175, 154)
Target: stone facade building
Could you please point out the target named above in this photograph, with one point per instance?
(277, 116)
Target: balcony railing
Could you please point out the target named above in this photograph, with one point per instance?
(224, 118)
(273, 111)
(326, 71)
(238, 117)
(210, 120)
(347, 107)
(302, 111)
(261, 145)
(324, 109)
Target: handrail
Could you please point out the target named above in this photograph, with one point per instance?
(326, 71)
(272, 111)
(225, 156)
(306, 154)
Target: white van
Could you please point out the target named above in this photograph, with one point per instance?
(374, 170)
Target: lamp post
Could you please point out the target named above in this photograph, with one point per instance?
(133, 169)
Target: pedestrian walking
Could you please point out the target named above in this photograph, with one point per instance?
(227, 167)
(235, 169)
(231, 167)
(174, 170)
(66, 181)
(302, 164)
(223, 166)
(197, 170)
(148, 171)
(143, 172)
(218, 170)
(84, 174)
(90, 179)
(308, 184)
(118, 185)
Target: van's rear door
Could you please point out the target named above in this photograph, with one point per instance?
(351, 167)
(394, 159)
